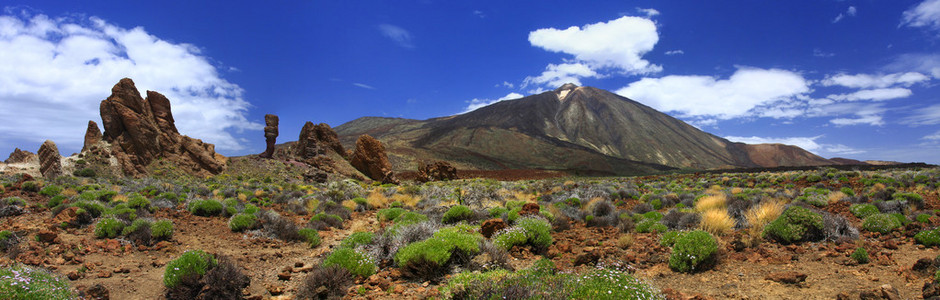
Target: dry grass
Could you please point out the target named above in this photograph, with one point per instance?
(717, 222)
(625, 241)
(242, 197)
(69, 193)
(351, 205)
(259, 193)
(406, 200)
(311, 205)
(377, 199)
(737, 190)
(836, 197)
(711, 202)
(121, 198)
(758, 216)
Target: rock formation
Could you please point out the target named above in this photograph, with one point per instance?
(143, 130)
(50, 162)
(314, 139)
(270, 134)
(20, 156)
(370, 159)
(436, 171)
(92, 136)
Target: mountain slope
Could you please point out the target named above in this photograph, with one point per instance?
(579, 128)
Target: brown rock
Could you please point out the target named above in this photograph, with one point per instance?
(47, 236)
(74, 275)
(104, 274)
(530, 209)
(143, 130)
(50, 162)
(21, 156)
(587, 258)
(491, 226)
(316, 140)
(889, 292)
(436, 171)
(931, 290)
(275, 289)
(67, 216)
(789, 277)
(98, 292)
(370, 159)
(270, 134)
(283, 275)
(92, 136)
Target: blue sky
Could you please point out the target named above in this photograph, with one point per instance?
(855, 79)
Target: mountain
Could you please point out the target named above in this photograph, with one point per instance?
(570, 128)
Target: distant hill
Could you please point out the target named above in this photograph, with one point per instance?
(570, 128)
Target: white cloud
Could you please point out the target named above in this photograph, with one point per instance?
(618, 44)
(925, 116)
(362, 85)
(925, 14)
(478, 103)
(850, 12)
(924, 63)
(401, 36)
(737, 96)
(55, 72)
(648, 12)
(557, 75)
(874, 95)
(675, 52)
(507, 84)
(873, 120)
(933, 137)
(875, 80)
(819, 53)
(806, 143)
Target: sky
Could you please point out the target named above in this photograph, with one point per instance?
(840, 78)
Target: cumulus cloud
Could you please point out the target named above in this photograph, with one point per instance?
(557, 75)
(55, 72)
(875, 80)
(873, 95)
(401, 36)
(926, 14)
(806, 143)
(478, 103)
(617, 44)
(706, 96)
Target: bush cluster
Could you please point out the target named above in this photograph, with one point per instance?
(693, 251)
(882, 223)
(354, 261)
(430, 258)
(199, 275)
(796, 224)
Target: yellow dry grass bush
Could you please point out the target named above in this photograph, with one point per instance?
(877, 187)
(569, 183)
(377, 199)
(522, 196)
(836, 196)
(590, 204)
(116, 188)
(717, 222)
(351, 205)
(557, 189)
(736, 190)
(242, 197)
(121, 198)
(259, 193)
(710, 202)
(69, 192)
(625, 241)
(406, 200)
(759, 215)
(311, 205)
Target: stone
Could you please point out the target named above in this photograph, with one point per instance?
(587, 258)
(47, 236)
(21, 156)
(370, 159)
(141, 131)
(315, 140)
(530, 209)
(436, 171)
(788, 277)
(98, 292)
(50, 162)
(270, 134)
(74, 275)
(104, 274)
(491, 226)
(68, 216)
(92, 136)
(283, 275)
(931, 290)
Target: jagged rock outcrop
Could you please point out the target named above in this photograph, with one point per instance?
(270, 134)
(20, 156)
(92, 136)
(50, 162)
(314, 139)
(143, 130)
(370, 159)
(436, 171)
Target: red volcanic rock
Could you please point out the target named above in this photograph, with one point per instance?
(491, 226)
(143, 130)
(20, 156)
(92, 136)
(315, 140)
(436, 171)
(270, 134)
(370, 159)
(789, 277)
(530, 209)
(50, 162)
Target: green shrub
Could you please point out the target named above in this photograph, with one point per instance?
(30, 186)
(848, 191)
(882, 223)
(205, 207)
(657, 204)
(354, 261)
(135, 226)
(388, 214)
(169, 196)
(23, 282)
(191, 263)
(162, 230)
(357, 239)
(650, 225)
(108, 228)
(250, 209)
(537, 231)
(456, 214)
(863, 210)
(241, 222)
(693, 251)
(901, 218)
(668, 239)
(509, 237)
(138, 202)
(923, 218)
(497, 212)
(311, 236)
(51, 190)
(431, 255)
(796, 224)
(928, 238)
(912, 198)
(860, 255)
(55, 201)
(409, 218)
(328, 218)
(93, 208)
(84, 172)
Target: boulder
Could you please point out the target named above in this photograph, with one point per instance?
(492, 226)
(315, 140)
(270, 134)
(436, 171)
(370, 159)
(530, 209)
(789, 277)
(21, 156)
(141, 131)
(92, 136)
(50, 162)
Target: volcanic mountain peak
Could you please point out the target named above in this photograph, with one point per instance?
(563, 90)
